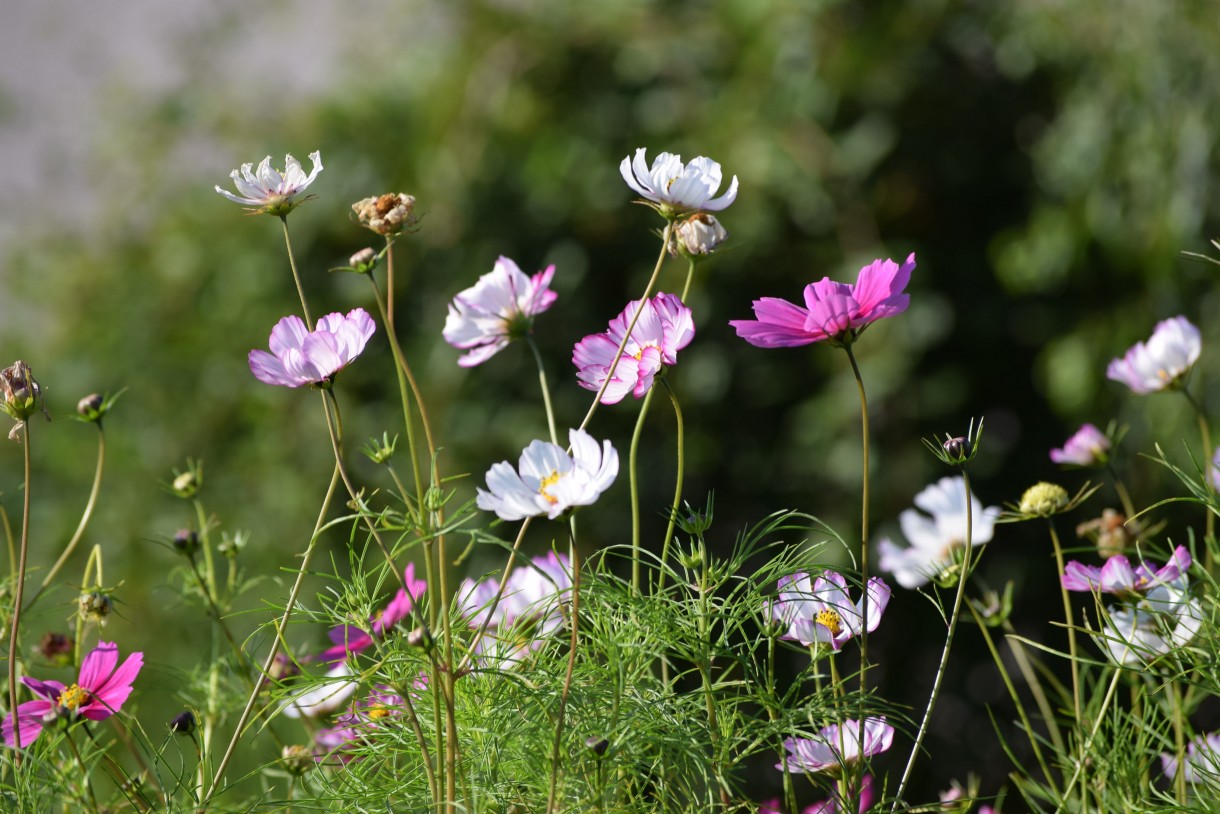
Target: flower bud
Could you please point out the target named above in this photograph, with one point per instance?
(187, 484)
(232, 544)
(956, 448)
(386, 214)
(421, 638)
(94, 606)
(380, 451)
(297, 759)
(183, 723)
(90, 407)
(56, 648)
(186, 542)
(1043, 499)
(597, 744)
(697, 236)
(434, 499)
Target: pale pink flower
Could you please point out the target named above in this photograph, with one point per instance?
(836, 312)
(1118, 577)
(1202, 760)
(820, 610)
(299, 357)
(499, 308)
(100, 690)
(350, 639)
(1088, 447)
(1160, 362)
(664, 327)
(674, 188)
(837, 746)
(269, 190)
(829, 806)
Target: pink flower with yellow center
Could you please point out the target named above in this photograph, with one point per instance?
(99, 692)
(663, 328)
(1162, 361)
(820, 610)
(837, 746)
(1088, 447)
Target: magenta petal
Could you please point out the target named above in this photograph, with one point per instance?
(98, 665)
(114, 690)
(880, 283)
(29, 723)
(780, 324)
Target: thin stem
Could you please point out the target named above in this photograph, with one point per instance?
(1035, 684)
(490, 613)
(574, 564)
(690, 276)
(281, 626)
(1205, 432)
(1101, 714)
(944, 654)
(618, 354)
(296, 275)
(84, 771)
(384, 306)
(84, 520)
(1124, 497)
(546, 390)
(633, 479)
(1179, 741)
(678, 480)
(13, 648)
(1067, 615)
(855, 368)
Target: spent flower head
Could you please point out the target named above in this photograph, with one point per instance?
(548, 480)
(386, 214)
(663, 328)
(499, 308)
(837, 747)
(299, 357)
(697, 236)
(1088, 446)
(100, 691)
(20, 395)
(675, 189)
(1161, 362)
(269, 191)
(1045, 499)
(835, 312)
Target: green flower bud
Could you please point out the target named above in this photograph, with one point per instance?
(1044, 499)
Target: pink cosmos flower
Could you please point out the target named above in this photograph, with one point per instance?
(360, 724)
(830, 806)
(1160, 362)
(270, 191)
(837, 746)
(665, 327)
(821, 611)
(349, 639)
(836, 312)
(1118, 577)
(530, 609)
(674, 188)
(1202, 760)
(299, 357)
(500, 307)
(99, 692)
(1088, 447)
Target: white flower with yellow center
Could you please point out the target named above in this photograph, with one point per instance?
(268, 190)
(548, 480)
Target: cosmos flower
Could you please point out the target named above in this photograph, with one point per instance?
(324, 697)
(1202, 760)
(360, 723)
(548, 480)
(100, 690)
(1118, 577)
(837, 746)
(830, 806)
(270, 191)
(349, 639)
(530, 609)
(819, 610)
(1164, 620)
(499, 308)
(836, 312)
(674, 188)
(299, 357)
(1160, 362)
(664, 327)
(935, 539)
(1088, 447)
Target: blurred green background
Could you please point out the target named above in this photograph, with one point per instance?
(1047, 162)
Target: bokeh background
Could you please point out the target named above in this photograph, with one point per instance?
(1048, 162)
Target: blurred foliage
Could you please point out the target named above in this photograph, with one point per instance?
(1047, 161)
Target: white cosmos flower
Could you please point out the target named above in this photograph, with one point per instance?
(1163, 621)
(500, 307)
(548, 480)
(936, 535)
(269, 190)
(325, 697)
(676, 187)
(1161, 361)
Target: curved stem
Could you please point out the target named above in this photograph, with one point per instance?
(384, 306)
(1067, 617)
(84, 520)
(855, 368)
(690, 276)
(574, 564)
(678, 480)
(13, 649)
(1208, 450)
(618, 354)
(944, 654)
(546, 390)
(633, 478)
(296, 275)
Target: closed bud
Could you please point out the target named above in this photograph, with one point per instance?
(186, 542)
(90, 407)
(434, 499)
(187, 484)
(94, 606)
(183, 723)
(697, 236)
(297, 759)
(597, 744)
(956, 448)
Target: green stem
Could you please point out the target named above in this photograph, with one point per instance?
(384, 306)
(546, 390)
(1205, 432)
(678, 481)
(618, 354)
(1088, 745)
(855, 368)
(633, 478)
(690, 276)
(13, 649)
(1067, 616)
(296, 275)
(1124, 497)
(84, 520)
(944, 654)
(574, 564)
(1179, 741)
(84, 771)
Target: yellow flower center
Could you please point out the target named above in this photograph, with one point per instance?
(545, 483)
(830, 620)
(72, 697)
(378, 711)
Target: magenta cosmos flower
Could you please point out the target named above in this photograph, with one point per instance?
(269, 190)
(837, 746)
(499, 308)
(836, 312)
(664, 327)
(299, 357)
(1160, 362)
(99, 692)
(349, 639)
(1088, 447)
(819, 610)
(674, 188)
(1118, 577)
(548, 480)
